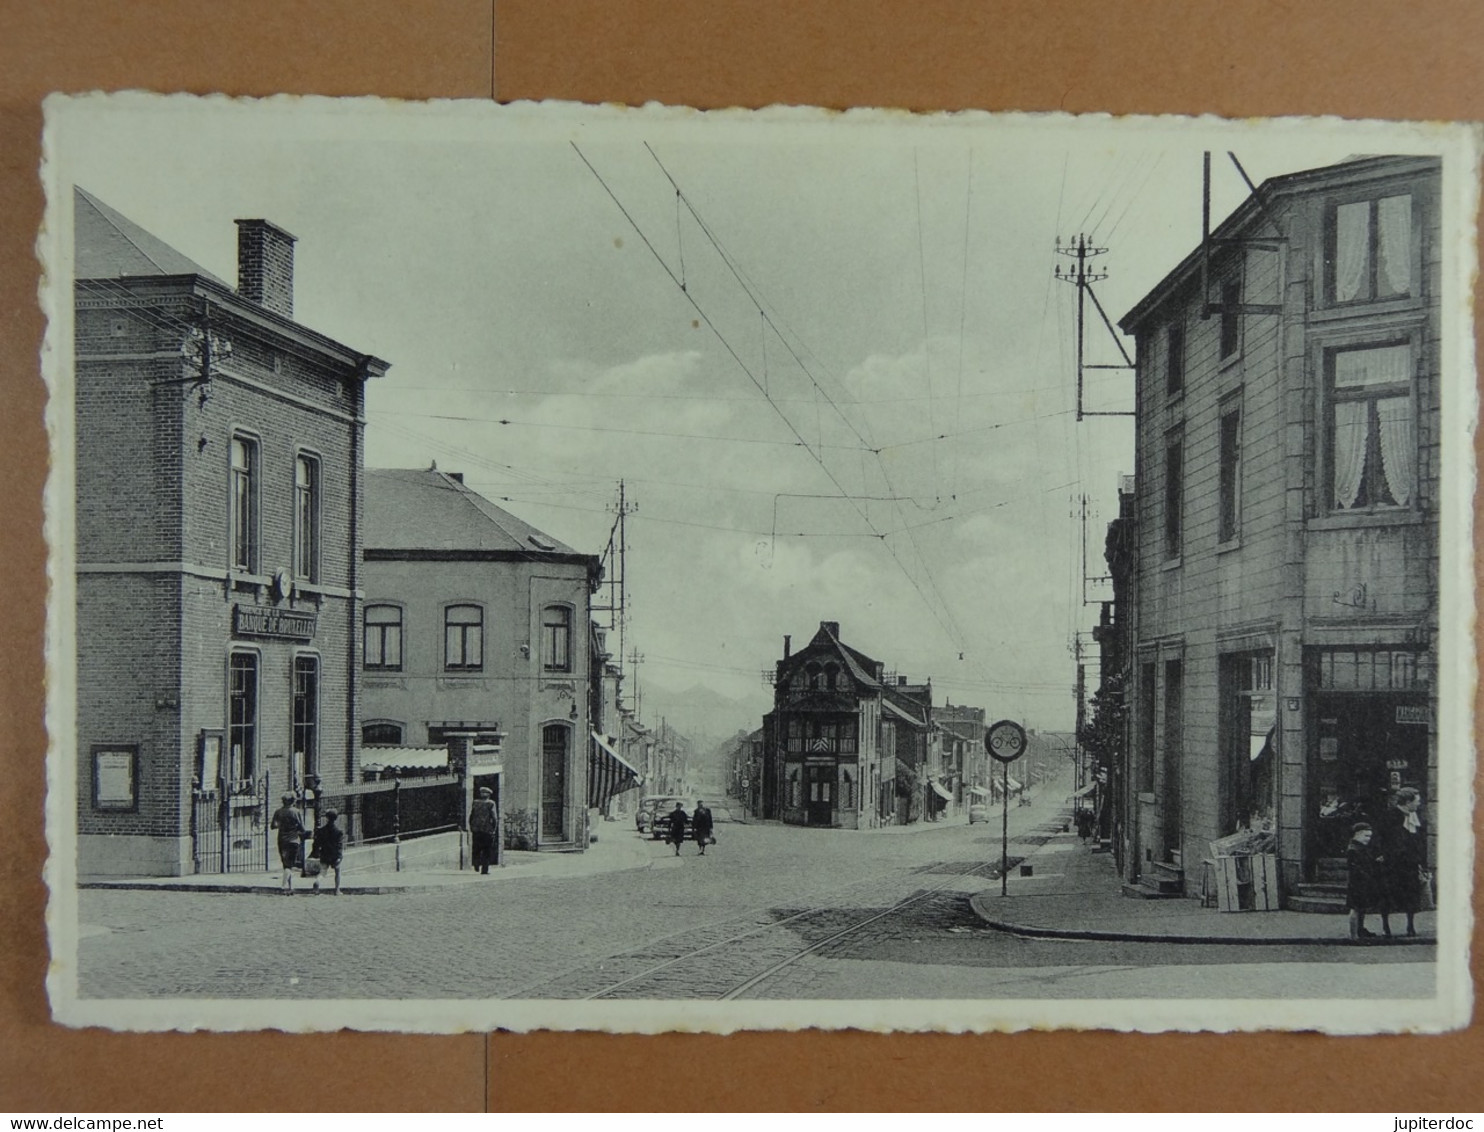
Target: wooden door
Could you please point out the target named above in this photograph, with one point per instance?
(555, 747)
(819, 794)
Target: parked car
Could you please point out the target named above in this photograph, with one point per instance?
(653, 814)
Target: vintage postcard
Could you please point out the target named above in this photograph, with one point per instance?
(549, 566)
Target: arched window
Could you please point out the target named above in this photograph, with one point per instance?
(814, 675)
(242, 729)
(381, 734)
(306, 517)
(306, 713)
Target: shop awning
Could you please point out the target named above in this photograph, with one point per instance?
(608, 773)
(1014, 785)
(979, 791)
(411, 758)
(939, 790)
(1084, 792)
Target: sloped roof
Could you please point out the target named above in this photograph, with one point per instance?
(857, 663)
(1252, 210)
(108, 245)
(425, 509)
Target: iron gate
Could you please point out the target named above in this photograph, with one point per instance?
(229, 827)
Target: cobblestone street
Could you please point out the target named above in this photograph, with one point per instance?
(770, 912)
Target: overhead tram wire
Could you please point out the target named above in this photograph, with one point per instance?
(864, 515)
(749, 290)
(927, 349)
(1019, 391)
(963, 314)
(951, 630)
(619, 431)
(706, 318)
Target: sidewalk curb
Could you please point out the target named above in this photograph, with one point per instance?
(1029, 932)
(348, 889)
(264, 889)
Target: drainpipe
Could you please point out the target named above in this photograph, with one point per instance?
(353, 580)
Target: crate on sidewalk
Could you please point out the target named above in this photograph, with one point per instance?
(1247, 882)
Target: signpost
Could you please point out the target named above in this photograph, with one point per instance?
(1005, 742)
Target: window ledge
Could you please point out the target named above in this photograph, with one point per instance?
(1229, 545)
(1172, 563)
(1350, 520)
(1226, 363)
(1365, 308)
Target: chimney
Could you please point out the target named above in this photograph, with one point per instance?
(265, 266)
(787, 645)
(832, 628)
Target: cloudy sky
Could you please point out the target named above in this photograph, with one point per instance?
(827, 355)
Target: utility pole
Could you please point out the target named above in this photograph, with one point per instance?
(1083, 275)
(636, 658)
(615, 563)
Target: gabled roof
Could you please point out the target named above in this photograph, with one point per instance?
(857, 663)
(423, 509)
(108, 245)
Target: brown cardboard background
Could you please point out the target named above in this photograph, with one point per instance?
(1357, 58)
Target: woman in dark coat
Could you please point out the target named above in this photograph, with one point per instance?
(1403, 847)
(1364, 886)
(700, 823)
(679, 819)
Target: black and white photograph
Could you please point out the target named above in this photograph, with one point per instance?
(642, 569)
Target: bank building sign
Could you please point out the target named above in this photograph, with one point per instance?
(262, 621)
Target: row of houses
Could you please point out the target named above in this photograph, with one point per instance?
(1270, 655)
(259, 613)
(848, 745)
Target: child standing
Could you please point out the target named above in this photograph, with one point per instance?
(329, 847)
(1363, 893)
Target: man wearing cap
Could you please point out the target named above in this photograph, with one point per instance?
(483, 825)
(328, 848)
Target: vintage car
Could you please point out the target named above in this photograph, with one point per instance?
(653, 814)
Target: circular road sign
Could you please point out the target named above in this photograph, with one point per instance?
(1005, 741)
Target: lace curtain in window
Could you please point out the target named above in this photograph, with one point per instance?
(1352, 249)
(1398, 457)
(1394, 246)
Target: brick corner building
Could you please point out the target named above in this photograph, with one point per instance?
(218, 512)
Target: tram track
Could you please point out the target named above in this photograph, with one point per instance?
(730, 958)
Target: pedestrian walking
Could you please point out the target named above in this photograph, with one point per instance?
(290, 838)
(1084, 823)
(484, 823)
(1364, 886)
(328, 849)
(678, 820)
(700, 822)
(1403, 850)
